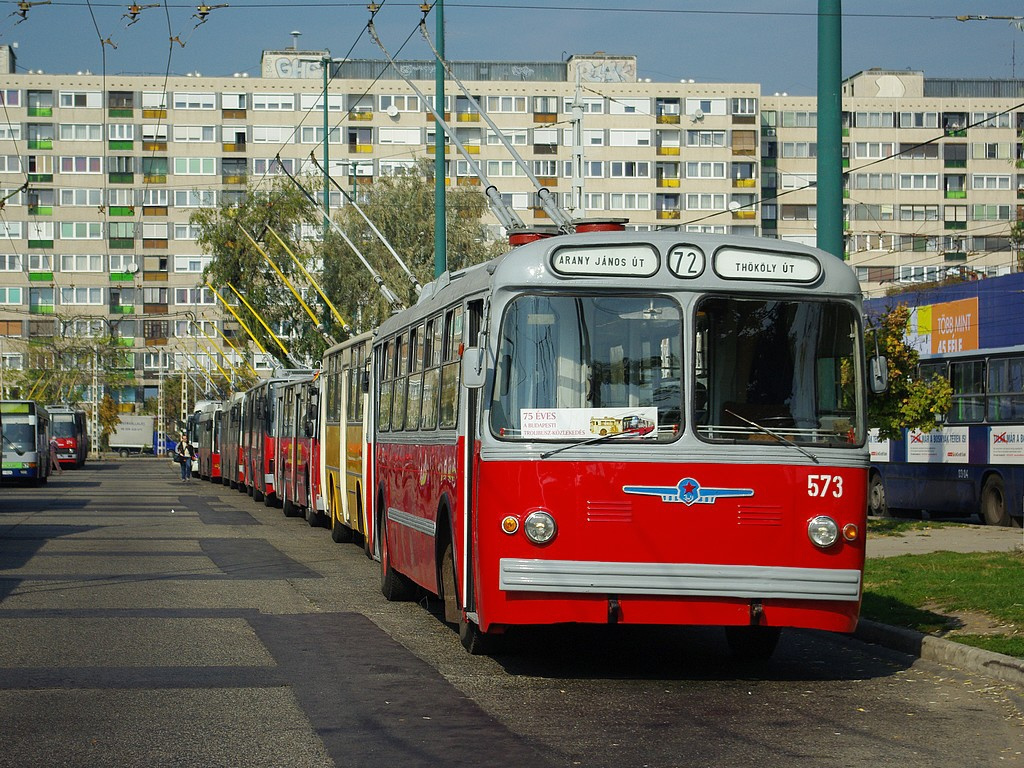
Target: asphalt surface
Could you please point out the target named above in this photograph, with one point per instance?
(966, 538)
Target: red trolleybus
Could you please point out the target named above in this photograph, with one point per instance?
(68, 426)
(298, 470)
(260, 415)
(231, 447)
(732, 491)
(209, 438)
(343, 436)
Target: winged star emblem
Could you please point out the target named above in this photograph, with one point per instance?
(688, 491)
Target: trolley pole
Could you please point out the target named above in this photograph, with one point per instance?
(440, 214)
(830, 128)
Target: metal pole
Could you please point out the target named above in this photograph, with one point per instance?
(830, 128)
(327, 150)
(440, 213)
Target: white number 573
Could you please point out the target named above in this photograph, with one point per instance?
(825, 485)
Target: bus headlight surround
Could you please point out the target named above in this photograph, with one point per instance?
(823, 531)
(540, 527)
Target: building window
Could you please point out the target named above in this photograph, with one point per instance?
(84, 296)
(81, 164)
(189, 100)
(195, 166)
(273, 102)
(10, 295)
(87, 99)
(80, 230)
(81, 132)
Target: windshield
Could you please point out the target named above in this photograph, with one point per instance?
(18, 432)
(790, 367)
(579, 367)
(62, 426)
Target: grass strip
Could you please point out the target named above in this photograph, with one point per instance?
(942, 592)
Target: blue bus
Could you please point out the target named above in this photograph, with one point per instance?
(972, 333)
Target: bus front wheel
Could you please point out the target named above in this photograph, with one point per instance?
(993, 502)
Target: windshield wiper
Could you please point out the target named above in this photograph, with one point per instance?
(638, 432)
(776, 435)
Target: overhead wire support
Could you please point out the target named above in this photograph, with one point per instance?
(386, 292)
(547, 200)
(508, 218)
(415, 283)
(241, 322)
(270, 333)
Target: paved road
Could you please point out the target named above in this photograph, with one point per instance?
(146, 622)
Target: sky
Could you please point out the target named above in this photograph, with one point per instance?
(727, 41)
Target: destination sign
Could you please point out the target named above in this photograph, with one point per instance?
(599, 261)
(739, 264)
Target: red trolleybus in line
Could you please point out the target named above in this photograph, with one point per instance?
(738, 498)
(231, 447)
(259, 434)
(972, 334)
(209, 438)
(68, 426)
(298, 469)
(343, 436)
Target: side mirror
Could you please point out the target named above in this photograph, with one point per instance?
(473, 367)
(878, 374)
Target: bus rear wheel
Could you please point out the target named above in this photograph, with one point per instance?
(394, 586)
(993, 502)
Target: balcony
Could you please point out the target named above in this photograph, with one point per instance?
(155, 242)
(154, 309)
(121, 309)
(155, 178)
(545, 117)
(154, 276)
(955, 194)
(467, 181)
(121, 277)
(237, 146)
(121, 210)
(668, 214)
(40, 111)
(548, 181)
(121, 112)
(360, 149)
(40, 243)
(666, 183)
(744, 214)
(121, 145)
(233, 114)
(155, 114)
(430, 117)
(667, 150)
(237, 178)
(40, 143)
(956, 225)
(154, 210)
(361, 116)
(668, 119)
(41, 309)
(744, 183)
(40, 210)
(122, 243)
(467, 117)
(154, 146)
(121, 178)
(40, 277)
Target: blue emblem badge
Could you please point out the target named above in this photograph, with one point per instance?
(688, 491)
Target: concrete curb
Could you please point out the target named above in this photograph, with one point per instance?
(996, 665)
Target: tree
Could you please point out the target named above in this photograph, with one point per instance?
(225, 232)
(61, 368)
(109, 418)
(401, 206)
(910, 402)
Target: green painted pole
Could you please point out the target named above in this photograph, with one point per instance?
(440, 215)
(830, 128)
(327, 151)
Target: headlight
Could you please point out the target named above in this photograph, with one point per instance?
(823, 531)
(540, 527)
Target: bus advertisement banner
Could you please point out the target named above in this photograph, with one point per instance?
(1006, 445)
(948, 445)
(949, 326)
(586, 422)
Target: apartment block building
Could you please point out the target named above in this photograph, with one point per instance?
(100, 174)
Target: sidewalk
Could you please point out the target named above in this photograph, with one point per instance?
(971, 538)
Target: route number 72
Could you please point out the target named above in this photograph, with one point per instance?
(825, 485)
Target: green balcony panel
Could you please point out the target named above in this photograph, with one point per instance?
(40, 243)
(41, 309)
(40, 210)
(40, 111)
(121, 178)
(40, 277)
(122, 242)
(121, 277)
(46, 178)
(40, 143)
(121, 112)
(122, 210)
(122, 144)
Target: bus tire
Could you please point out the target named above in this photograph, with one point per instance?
(993, 502)
(876, 497)
(288, 508)
(473, 639)
(257, 494)
(394, 586)
(752, 645)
